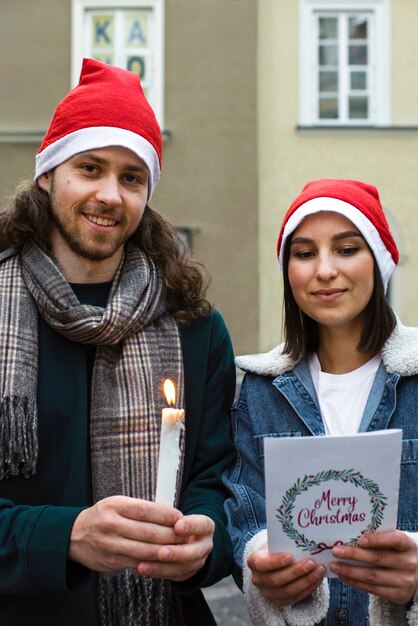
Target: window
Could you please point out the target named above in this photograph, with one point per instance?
(127, 34)
(344, 62)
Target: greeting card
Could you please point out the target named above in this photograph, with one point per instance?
(323, 491)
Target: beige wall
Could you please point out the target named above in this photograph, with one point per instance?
(288, 158)
(34, 75)
(210, 165)
(209, 178)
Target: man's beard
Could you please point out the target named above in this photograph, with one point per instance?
(77, 244)
(73, 237)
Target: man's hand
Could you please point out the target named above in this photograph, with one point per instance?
(395, 556)
(281, 580)
(119, 532)
(194, 539)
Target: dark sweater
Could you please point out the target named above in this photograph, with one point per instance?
(38, 585)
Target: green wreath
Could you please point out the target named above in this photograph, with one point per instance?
(284, 512)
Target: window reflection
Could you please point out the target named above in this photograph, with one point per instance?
(328, 81)
(358, 80)
(328, 108)
(357, 55)
(328, 55)
(358, 107)
(328, 28)
(357, 27)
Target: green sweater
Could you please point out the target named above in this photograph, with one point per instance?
(38, 585)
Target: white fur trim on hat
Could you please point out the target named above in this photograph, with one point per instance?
(93, 138)
(382, 255)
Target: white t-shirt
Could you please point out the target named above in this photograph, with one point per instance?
(342, 397)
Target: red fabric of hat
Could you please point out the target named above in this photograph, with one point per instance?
(106, 108)
(361, 195)
(358, 202)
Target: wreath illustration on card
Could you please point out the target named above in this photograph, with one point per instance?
(285, 512)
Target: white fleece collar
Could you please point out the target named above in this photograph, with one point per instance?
(400, 355)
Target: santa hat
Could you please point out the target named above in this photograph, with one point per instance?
(356, 201)
(106, 108)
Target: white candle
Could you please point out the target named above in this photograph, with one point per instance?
(172, 423)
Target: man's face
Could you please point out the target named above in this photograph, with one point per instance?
(98, 198)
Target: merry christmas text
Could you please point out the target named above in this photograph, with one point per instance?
(329, 509)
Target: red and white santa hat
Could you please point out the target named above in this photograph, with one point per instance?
(358, 202)
(106, 108)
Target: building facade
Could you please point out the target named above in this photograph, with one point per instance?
(198, 65)
(337, 98)
(255, 98)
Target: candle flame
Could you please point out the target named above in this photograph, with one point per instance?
(170, 392)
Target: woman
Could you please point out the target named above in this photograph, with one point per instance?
(343, 348)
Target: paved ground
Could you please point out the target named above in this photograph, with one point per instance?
(227, 604)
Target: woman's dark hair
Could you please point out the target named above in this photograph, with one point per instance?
(27, 217)
(301, 331)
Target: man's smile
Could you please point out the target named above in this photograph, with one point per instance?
(101, 221)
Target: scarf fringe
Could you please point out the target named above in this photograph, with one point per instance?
(18, 437)
(126, 599)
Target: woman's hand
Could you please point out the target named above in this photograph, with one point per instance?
(282, 581)
(395, 557)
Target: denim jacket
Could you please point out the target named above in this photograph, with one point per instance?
(275, 386)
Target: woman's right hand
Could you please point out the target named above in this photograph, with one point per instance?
(281, 580)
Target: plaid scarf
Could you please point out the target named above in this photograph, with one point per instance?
(138, 347)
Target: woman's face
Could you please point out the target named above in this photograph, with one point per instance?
(330, 270)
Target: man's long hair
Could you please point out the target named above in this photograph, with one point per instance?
(27, 217)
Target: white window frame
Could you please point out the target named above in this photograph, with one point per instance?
(379, 88)
(79, 37)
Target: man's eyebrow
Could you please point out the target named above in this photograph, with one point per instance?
(344, 235)
(92, 156)
(132, 167)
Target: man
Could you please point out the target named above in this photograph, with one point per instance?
(98, 306)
